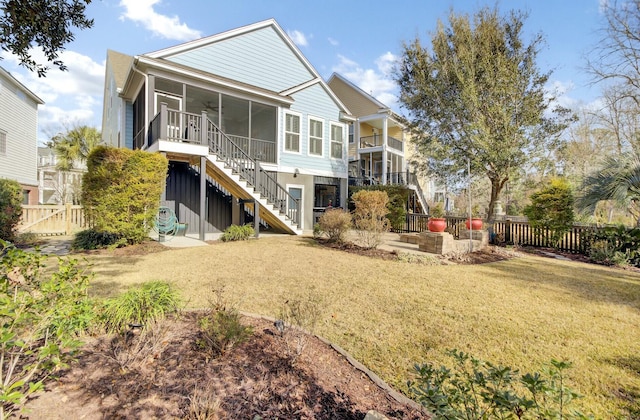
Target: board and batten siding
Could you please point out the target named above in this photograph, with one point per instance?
(260, 58)
(315, 102)
(19, 122)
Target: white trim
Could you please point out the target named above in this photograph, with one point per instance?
(320, 120)
(284, 131)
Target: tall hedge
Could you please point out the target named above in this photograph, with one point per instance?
(10, 208)
(551, 210)
(121, 191)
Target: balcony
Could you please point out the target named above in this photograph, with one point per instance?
(392, 178)
(377, 141)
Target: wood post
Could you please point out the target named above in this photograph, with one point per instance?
(67, 225)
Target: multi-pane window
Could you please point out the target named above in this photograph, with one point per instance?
(292, 133)
(336, 141)
(315, 137)
(3, 143)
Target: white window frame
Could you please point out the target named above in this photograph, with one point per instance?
(332, 141)
(321, 121)
(299, 133)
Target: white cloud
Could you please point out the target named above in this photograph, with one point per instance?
(333, 42)
(376, 82)
(298, 38)
(141, 11)
(562, 92)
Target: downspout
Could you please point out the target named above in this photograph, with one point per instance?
(146, 94)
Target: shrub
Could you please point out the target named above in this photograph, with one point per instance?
(474, 389)
(40, 319)
(551, 210)
(121, 191)
(148, 302)
(220, 328)
(370, 216)
(238, 233)
(335, 223)
(10, 208)
(92, 239)
(298, 318)
(614, 245)
(397, 206)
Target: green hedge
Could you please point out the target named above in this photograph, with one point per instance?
(10, 208)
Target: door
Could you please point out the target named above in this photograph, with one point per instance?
(174, 103)
(296, 193)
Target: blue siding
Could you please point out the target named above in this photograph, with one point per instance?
(128, 126)
(260, 58)
(315, 102)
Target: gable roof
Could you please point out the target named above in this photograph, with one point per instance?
(120, 65)
(20, 86)
(172, 53)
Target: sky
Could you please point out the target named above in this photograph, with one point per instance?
(358, 39)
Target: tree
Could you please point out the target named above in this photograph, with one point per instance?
(45, 23)
(616, 57)
(618, 181)
(72, 150)
(551, 210)
(477, 94)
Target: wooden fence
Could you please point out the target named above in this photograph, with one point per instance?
(509, 232)
(52, 220)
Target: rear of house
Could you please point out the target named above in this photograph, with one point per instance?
(248, 125)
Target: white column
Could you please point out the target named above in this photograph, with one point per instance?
(385, 134)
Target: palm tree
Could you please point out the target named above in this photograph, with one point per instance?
(618, 181)
(72, 149)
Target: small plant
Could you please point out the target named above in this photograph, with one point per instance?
(148, 302)
(237, 233)
(203, 405)
(370, 216)
(335, 224)
(221, 328)
(551, 210)
(298, 318)
(410, 258)
(436, 210)
(317, 231)
(10, 208)
(27, 239)
(41, 318)
(475, 389)
(137, 346)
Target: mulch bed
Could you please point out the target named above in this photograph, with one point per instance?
(174, 378)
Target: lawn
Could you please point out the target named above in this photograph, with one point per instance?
(390, 314)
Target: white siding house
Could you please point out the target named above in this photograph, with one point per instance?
(245, 108)
(18, 135)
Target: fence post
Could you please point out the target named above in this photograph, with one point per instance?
(67, 219)
(507, 231)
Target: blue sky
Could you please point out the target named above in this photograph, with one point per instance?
(358, 39)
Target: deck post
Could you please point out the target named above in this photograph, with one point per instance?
(164, 120)
(203, 195)
(256, 218)
(204, 127)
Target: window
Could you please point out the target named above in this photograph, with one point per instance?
(3, 143)
(315, 137)
(336, 141)
(292, 133)
(351, 133)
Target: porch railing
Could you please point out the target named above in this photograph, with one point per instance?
(377, 141)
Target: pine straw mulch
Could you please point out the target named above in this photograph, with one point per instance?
(172, 377)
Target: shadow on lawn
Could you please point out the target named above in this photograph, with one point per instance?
(586, 281)
(629, 395)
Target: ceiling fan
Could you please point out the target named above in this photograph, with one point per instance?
(210, 107)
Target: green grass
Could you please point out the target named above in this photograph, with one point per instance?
(389, 315)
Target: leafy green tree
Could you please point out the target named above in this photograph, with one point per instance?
(10, 208)
(45, 23)
(478, 94)
(618, 181)
(551, 209)
(121, 191)
(72, 149)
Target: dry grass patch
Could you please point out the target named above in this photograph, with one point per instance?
(390, 314)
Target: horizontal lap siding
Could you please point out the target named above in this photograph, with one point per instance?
(19, 120)
(260, 58)
(315, 102)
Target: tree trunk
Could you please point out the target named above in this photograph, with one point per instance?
(497, 185)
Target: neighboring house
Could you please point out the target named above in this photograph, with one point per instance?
(245, 109)
(56, 186)
(18, 135)
(378, 142)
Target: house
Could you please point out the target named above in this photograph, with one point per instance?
(18, 135)
(378, 142)
(56, 186)
(248, 125)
